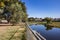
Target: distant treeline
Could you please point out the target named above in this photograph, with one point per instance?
(30, 19)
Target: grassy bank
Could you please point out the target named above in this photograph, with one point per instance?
(37, 22)
(12, 32)
(55, 24)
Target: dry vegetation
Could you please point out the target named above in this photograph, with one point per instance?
(12, 32)
(55, 24)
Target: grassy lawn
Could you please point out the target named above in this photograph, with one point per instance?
(12, 32)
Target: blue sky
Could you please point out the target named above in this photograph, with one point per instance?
(43, 8)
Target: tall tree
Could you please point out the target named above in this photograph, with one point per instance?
(13, 10)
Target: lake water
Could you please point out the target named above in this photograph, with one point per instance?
(50, 33)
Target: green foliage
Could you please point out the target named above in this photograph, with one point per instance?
(48, 20)
(31, 19)
(13, 10)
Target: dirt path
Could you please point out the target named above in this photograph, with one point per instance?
(13, 32)
(3, 29)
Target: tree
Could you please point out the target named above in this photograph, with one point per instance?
(13, 10)
(31, 19)
(48, 20)
(24, 11)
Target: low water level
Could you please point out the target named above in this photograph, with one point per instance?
(50, 33)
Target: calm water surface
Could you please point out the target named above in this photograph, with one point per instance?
(50, 33)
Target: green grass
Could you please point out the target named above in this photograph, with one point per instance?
(37, 22)
(41, 22)
(55, 24)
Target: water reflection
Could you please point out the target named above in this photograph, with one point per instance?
(49, 32)
(48, 27)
